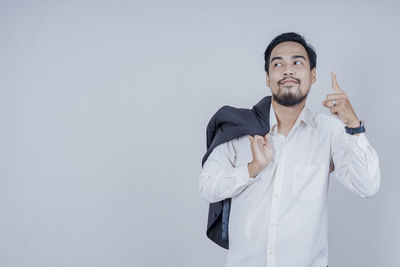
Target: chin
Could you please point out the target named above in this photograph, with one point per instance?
(289, 100)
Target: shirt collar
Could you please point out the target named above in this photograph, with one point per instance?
(305, 116)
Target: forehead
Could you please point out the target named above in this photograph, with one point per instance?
(287, 49)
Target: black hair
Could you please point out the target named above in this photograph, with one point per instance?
(294, 37)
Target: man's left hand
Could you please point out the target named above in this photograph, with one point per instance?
(342, 109)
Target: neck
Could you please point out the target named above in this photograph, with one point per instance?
(287, 116)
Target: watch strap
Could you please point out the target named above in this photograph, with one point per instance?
(356, 130)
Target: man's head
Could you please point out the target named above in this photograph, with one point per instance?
(290, 66)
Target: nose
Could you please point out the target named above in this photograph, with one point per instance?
(288, 72)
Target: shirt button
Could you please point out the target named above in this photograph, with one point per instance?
(270, 252)
(276, 195)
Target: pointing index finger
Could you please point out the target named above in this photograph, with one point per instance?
(335, 85)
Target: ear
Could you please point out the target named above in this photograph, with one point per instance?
(313, 75)
(267, 80)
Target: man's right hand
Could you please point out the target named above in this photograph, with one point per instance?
(262, 150)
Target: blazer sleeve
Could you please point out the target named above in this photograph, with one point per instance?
(220, 178)
(355, 161)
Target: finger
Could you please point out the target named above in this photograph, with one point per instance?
(266, 138)
(260, 140)
(329, 103)
(269, 144)
(259, 137)
(335, 84)
(335, 96)
(335, 111)
(251, 138)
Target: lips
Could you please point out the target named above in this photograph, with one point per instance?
(289, 81)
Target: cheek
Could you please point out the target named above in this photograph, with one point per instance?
(274, 78)
(306, 84)
(305, 77)
(270, 79)
(307, 80)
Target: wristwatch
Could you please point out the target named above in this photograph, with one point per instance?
(356, 130)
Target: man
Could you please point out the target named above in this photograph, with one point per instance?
(278, 183)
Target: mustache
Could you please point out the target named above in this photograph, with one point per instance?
(290, 78)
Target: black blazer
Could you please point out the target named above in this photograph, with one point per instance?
(226, 124)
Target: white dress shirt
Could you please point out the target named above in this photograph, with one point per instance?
(279, 218)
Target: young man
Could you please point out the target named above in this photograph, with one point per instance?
(278, 183)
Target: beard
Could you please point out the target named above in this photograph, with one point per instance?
(291, 96)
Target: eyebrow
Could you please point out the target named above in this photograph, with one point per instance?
(295, 56)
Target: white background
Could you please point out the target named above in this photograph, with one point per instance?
(104, 107)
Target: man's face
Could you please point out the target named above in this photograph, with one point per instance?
(290, 77)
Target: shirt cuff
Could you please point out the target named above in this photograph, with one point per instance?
(242, 172)
(359, 143)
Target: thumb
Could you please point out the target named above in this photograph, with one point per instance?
(251, 138)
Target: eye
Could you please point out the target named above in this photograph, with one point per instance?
(276, 64)
(297, 62)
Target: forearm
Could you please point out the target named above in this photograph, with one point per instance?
(358, 168)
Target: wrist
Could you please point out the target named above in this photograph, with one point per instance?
(353, 124)
(355, 129)
(254, 169)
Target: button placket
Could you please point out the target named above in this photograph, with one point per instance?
(275, 210)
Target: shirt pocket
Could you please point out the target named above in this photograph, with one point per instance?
(308, 181)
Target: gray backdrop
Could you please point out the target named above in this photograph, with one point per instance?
(103, 111)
